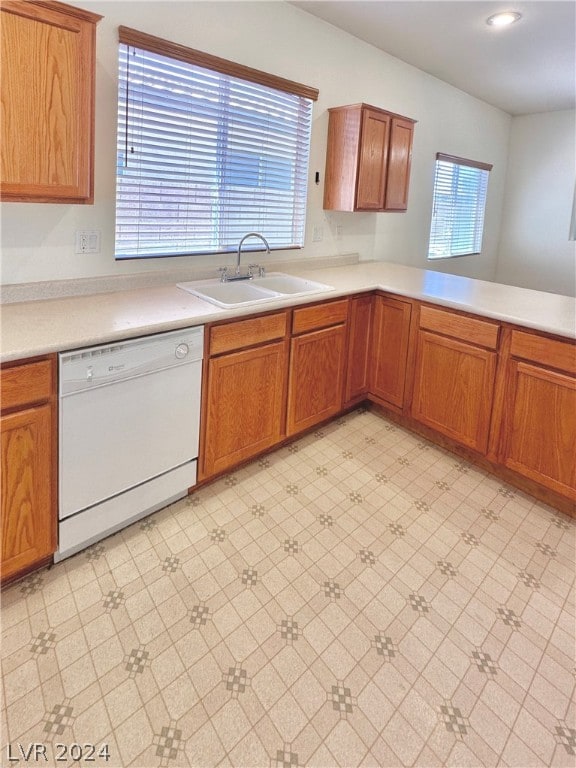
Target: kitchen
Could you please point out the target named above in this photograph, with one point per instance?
(44, 255)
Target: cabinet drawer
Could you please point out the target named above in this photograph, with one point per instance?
(555, 354)
(319, 316)
(25, 384)
(479, 332)
(247, 333)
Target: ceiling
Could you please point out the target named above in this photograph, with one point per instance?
(525, 68)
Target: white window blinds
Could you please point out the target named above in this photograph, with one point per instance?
(205, 156)
(460, 188)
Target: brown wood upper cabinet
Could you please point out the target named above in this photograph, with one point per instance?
(27, 429)
(537, 416)
(454, 375)
(47, 84)
(367, 159)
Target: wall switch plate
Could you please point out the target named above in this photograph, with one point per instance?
(317, 234)
(88, 241)
(339, 231)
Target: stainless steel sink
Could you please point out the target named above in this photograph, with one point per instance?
(274, 286)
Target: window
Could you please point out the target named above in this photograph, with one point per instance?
(458, 207)
(208, 150)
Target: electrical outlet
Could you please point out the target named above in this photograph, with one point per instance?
(317, 234)
(88, 241)
(339, 231)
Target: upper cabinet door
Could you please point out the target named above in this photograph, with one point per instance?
(399, 157)
(47, 102)
(373, 160)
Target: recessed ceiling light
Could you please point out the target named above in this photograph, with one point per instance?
(503, 19)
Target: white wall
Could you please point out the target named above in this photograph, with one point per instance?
(38, 239)
(534, 249)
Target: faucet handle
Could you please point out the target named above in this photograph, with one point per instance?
(223, 274)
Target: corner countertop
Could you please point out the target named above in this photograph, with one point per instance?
(51, 325)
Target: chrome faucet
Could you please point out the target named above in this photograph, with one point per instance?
(237, 276)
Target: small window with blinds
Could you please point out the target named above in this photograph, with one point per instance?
(208, 150)
(460, 188)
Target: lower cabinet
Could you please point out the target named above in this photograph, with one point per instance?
(506, 394)
(359, 349)
(317, 365)
(389, 342)
(27, 428)
(316, 375)
(245, 392)
(538, 419)
(454, 376)
(269, 377)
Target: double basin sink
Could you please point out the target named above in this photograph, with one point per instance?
(240, 293)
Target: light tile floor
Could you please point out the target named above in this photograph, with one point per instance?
(358, 598)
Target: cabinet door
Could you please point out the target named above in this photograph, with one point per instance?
(28, 522)
(539, 440)
(47, 103)
(390, 337)
(244, 405)
(399, 158)
(372, 161)
(359, 340)
(453, 389)
(342, 159)
(315, 388)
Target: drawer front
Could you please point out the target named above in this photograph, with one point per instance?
(539, 349)
(479, 332)
(247, 333)
(319, 316)
(26, 384)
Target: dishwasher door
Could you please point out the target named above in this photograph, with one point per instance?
(129, 413)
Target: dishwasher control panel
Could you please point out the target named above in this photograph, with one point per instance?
(108, 363)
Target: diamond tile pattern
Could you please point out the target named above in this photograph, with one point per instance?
(285, 758)
(384, 646)
(136, 661)
(366, 556)
(58, 719)
(114, 599)
(484, 662)
(43, 642)
(453, 719)
(341, 698)
(199, 615)
(168, 742)
(358, 599)
(236, 680)
(290, 630)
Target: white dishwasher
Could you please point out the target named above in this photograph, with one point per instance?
(128, 432)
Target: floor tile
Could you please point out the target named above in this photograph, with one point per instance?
(357, 598)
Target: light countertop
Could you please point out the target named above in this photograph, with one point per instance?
(38, 327)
